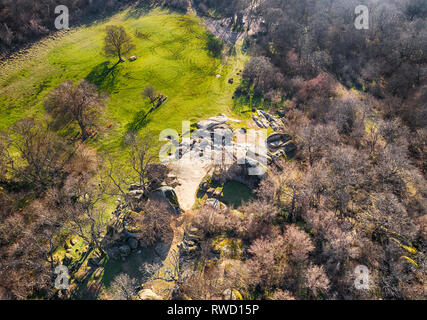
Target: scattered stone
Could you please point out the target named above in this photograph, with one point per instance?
(135, 186)
(277, 140)
(257, 122)
(204, 186)
(133, 58)
(213, 123)
(231, 81)
(214, 203)
(136, 194)
(73, 241)
(189, 243)
(265, 120)
(290, 149)
(191, 249)
(280, 144)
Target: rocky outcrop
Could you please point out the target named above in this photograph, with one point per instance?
(214, 122)
(125, 250)
(215, 203)
(190, 241)
(281, 144)
(265, 120)
(247, 171)
(148, 294)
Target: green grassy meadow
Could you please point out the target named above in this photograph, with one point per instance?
(172, 57)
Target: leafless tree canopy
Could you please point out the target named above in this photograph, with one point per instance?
(117, 42)
(80, 104)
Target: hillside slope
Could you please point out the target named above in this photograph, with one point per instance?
(172, 57)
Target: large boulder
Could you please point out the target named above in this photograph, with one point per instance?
(168, 194)
(136, 194)
(135, 186)
(280, 144)
(148, 294)
(133, 243)
(215, 203)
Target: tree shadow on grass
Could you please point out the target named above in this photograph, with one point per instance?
(104, 77)
(140, 120)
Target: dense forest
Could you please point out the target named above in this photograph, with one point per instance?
(355, 193)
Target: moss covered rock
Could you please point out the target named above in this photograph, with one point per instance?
(231, 248)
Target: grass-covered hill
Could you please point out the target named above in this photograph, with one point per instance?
(172, 56)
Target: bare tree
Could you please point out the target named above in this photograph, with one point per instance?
(315, 280)
(316, 140)
(117, 42)
(393, 131)
(150, 93)
(142, 156)
(156, 99)
(123, 287)
(85, 212)
(75, 103)
(387, 217)
(34, 155)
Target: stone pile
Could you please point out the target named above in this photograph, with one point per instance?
(281, 144)
(124, 246)
(265, 120)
